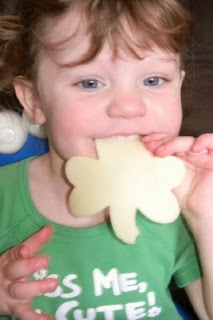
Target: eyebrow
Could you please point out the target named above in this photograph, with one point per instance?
(165, 61)
(146, 57)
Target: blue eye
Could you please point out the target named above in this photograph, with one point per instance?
(90, 84)
(153, 81)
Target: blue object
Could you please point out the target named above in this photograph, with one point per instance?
(182, 312)
(34, 146)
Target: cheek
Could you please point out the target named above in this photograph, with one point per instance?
(174, 117)
(70, 136)
(169, 114)
(63, 120)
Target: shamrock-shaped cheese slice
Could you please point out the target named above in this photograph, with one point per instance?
(125, 178)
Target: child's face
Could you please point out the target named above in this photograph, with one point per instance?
(107, 97)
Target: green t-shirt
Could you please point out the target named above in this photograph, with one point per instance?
(99, 276)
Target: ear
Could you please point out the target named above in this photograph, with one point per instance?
(29, 99)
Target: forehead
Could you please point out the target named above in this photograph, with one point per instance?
(68, 38)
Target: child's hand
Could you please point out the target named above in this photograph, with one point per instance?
(16, 265)
(196, 193)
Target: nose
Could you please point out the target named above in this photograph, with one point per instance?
(127, 105)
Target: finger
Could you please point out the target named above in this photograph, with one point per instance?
(14, 254)
(176, 146)
(37, 241)
(30, 246)
(203, 143)
(31, 315)
(29, 289)
(25, 267)
(26, 313)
